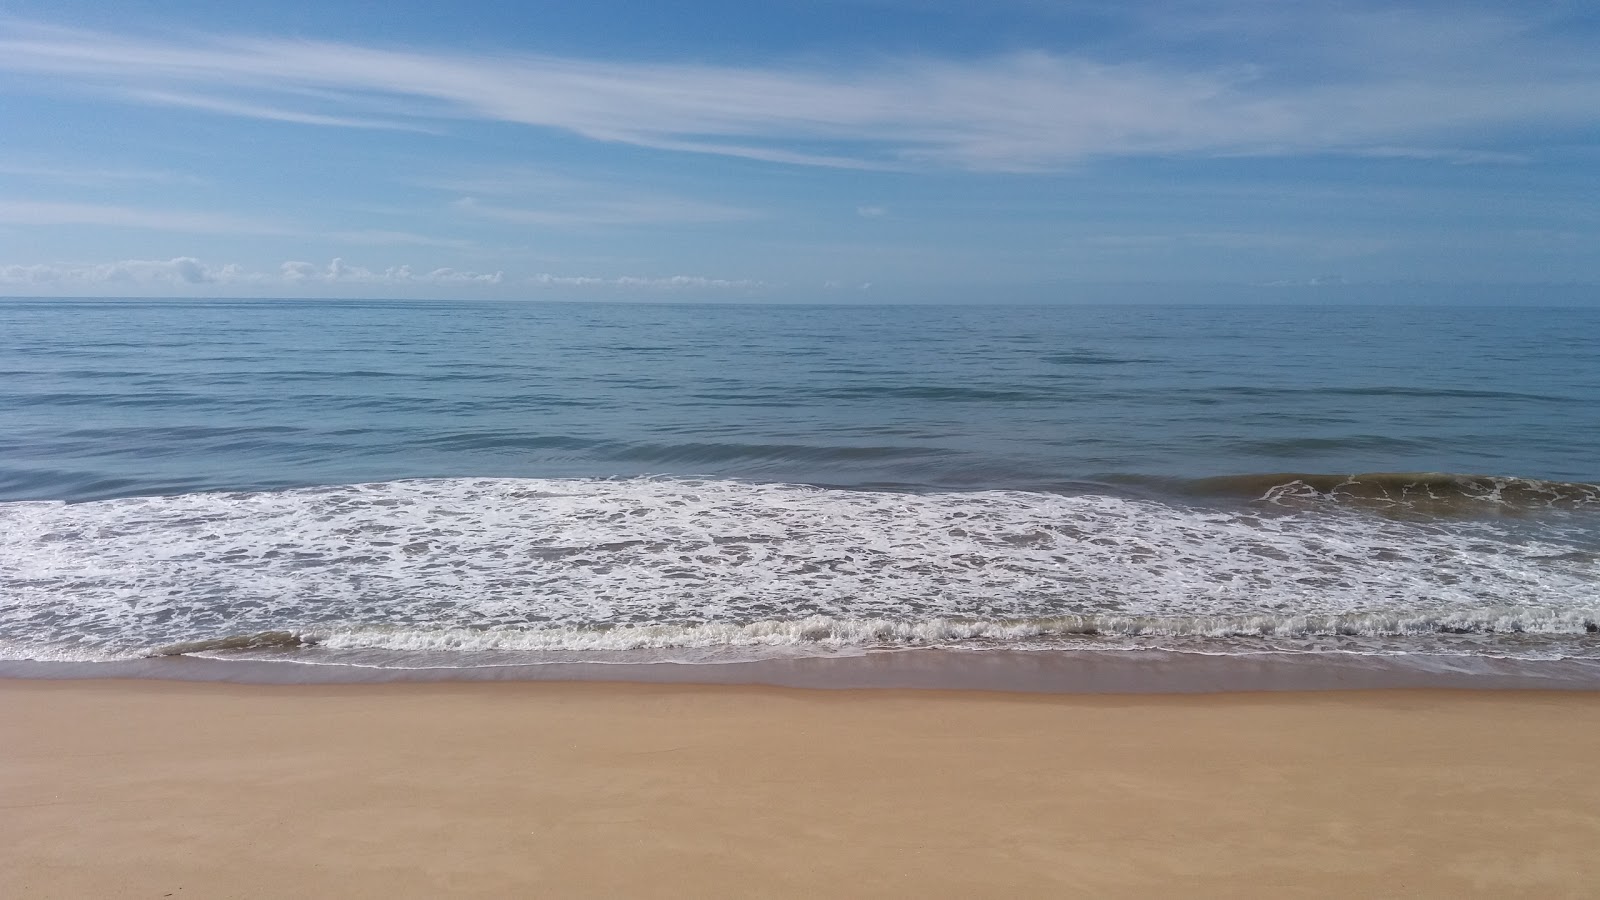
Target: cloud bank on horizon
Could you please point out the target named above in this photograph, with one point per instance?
(1184, 141)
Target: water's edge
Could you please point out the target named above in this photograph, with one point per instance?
(1075, 672)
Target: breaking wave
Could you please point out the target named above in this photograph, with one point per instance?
(556, 565)
(829, 632)
(1432, 492)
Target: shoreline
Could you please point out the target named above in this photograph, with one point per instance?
(149, 788)
(1008, 671)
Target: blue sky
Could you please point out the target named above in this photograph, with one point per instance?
(823, 150)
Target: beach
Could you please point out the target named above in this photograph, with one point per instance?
(123, 788)
(418, 599)
(879, 448)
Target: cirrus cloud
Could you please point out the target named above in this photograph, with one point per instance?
(1482, 79)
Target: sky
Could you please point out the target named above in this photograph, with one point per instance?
(812, 150)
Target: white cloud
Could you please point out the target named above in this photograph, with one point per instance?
(188, 276)
(293, 271)
(182, 270)
(447, 275)
(188, 271)
(1381, 80)
(871, 212)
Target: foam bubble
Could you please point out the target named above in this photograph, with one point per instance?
(594, 563)
(825, 631)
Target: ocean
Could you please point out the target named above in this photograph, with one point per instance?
(467, 486)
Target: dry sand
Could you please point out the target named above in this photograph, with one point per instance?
(145, 789)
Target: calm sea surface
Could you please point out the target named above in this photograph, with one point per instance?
(405, 483)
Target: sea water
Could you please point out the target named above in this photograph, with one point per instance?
(465, 484)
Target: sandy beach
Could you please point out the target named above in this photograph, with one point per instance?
(151, 789)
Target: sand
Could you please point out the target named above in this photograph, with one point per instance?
(149, 789)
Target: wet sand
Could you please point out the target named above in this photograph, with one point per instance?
(151, 789)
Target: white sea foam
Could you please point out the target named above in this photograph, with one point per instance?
(524, 564)
(825, 631)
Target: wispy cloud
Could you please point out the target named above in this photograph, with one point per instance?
(271, 113)
(296, 272)
(539, 197)
(1300, 244)
(670, 282)
(380, 237)
(1386, 81)
(602, 212)
(1446, 154)
(95, 176)
(23, 212)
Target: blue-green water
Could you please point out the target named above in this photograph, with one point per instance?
(103, 399)
(403, 480)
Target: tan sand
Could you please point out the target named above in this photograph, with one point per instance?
(140, 789)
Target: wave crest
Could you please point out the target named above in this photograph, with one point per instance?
(878, 633)
(1437, 492)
